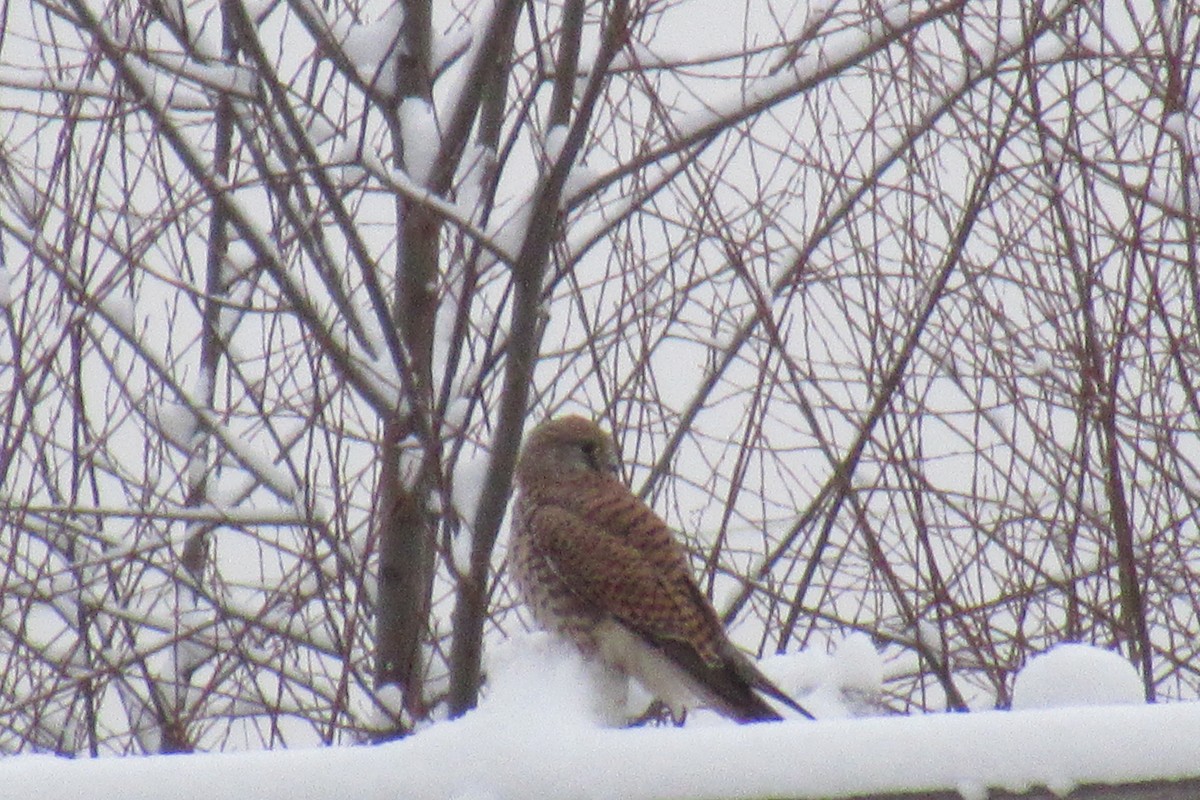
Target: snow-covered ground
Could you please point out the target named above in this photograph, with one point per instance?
(537, 734)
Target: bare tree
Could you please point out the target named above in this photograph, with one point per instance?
(894, 310)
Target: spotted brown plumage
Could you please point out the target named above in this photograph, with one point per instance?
(596, 565)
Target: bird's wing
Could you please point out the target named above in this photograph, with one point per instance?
(659, 602)
(612, 577)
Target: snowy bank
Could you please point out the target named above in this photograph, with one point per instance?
(480, 756)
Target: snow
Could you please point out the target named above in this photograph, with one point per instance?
(759, 93)
(543, 729)
(470, 473)
(449, 47)
(176, 422)
(189, 651)
(579, 180)
(369, 45)
(391, 697)
(163, 90)
(1176, 124)
(455, 416)
(556, 137)
(898, 14)
(858, 666)
(508, 234)
(986, 50)
(119, 310)
(1040, 364)
(47, 630)
(227, 321)
(259, 463)
(1071, 675)
(421, 140)
(1050, 47)
(512, 748)
(256, 9)
(404, 184)
(820, 8)
(239, 260)
(848, 682)
(541, 685)
(929, 635)
(223, 78)
(320, 130)
(473, 168)
(638, 55)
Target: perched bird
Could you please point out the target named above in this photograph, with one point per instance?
(596, 565)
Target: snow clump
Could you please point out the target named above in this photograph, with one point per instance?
(1071, 675)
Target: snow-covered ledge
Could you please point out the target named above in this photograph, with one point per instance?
(1068, 752)
(539, 734)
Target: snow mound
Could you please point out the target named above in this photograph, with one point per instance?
(537, 681)
(845, 683)
(1070, 675)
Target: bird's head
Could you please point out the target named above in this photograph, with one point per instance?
(564, 448)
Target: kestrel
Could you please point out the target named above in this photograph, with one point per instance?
(596, 565)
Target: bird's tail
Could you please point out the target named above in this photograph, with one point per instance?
(755, 708)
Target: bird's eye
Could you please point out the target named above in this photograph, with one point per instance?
(589, 453)
(593, 456)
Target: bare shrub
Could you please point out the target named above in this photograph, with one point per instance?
(894, 309)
